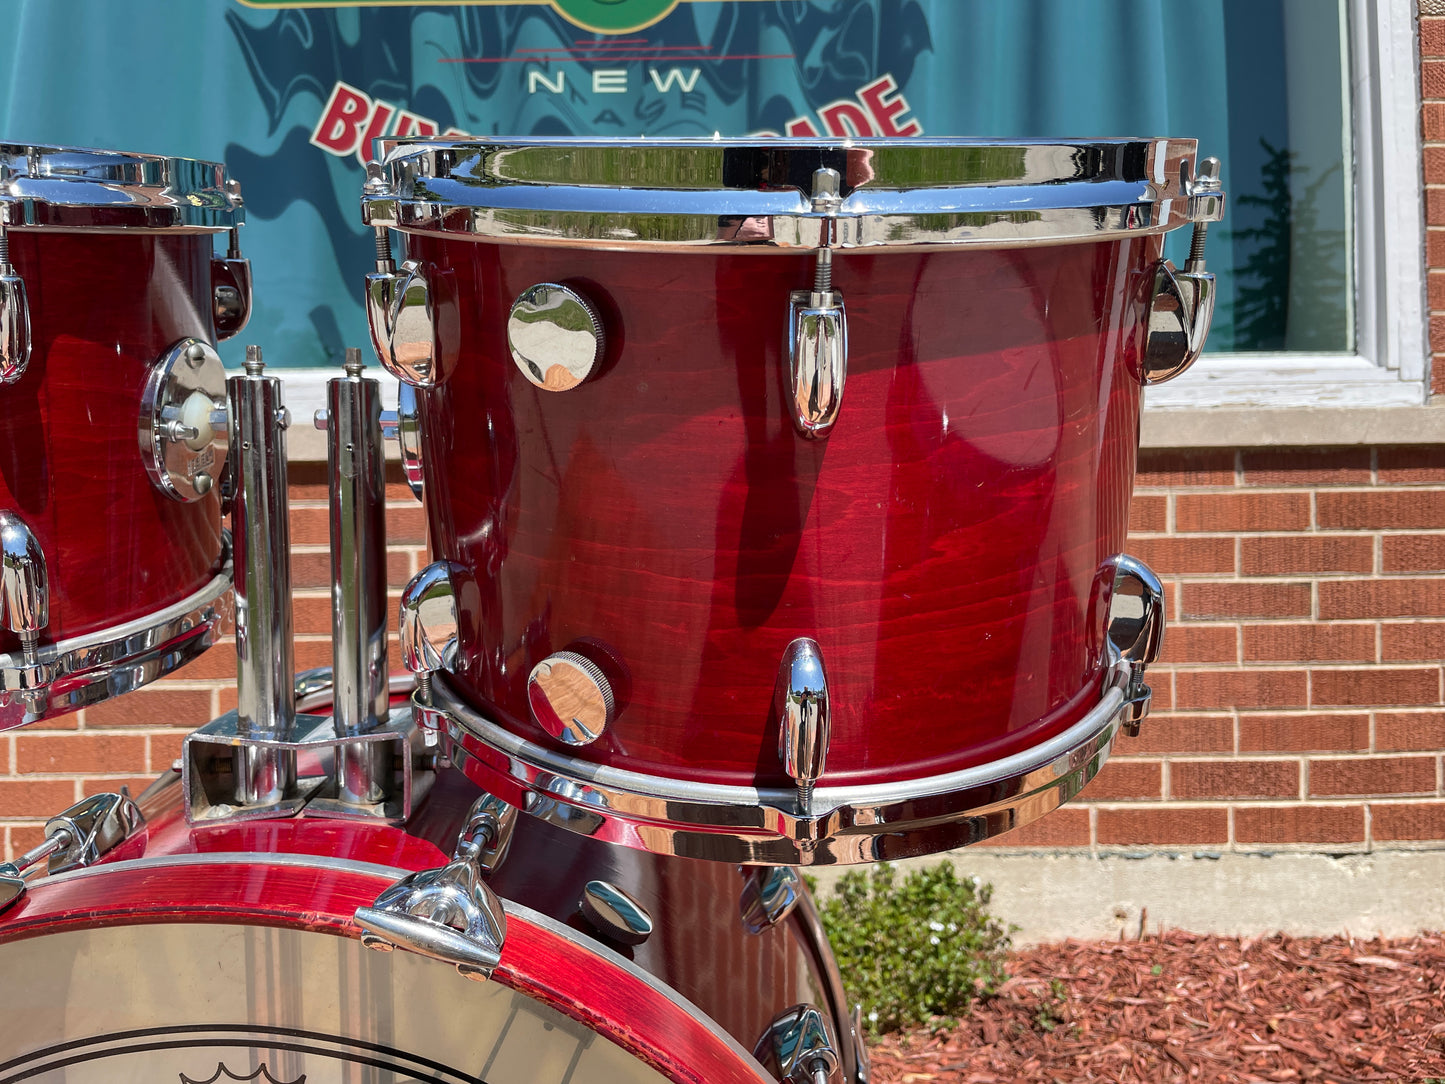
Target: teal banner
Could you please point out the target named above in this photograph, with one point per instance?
(291, 95)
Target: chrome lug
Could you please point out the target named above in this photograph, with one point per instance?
(1136, 632)
(800, 700)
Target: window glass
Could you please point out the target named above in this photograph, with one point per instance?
(289, 94)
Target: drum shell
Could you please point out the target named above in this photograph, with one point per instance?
(946, 545)
(309, 874)
(103, 308)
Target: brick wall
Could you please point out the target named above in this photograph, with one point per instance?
(1432, 91)
(1300, 704)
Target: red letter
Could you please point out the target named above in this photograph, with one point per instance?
(875, 97)
(339, 129)
(846, 119)
(409, 124)
(801, 126)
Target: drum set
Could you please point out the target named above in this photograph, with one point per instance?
(777, 496)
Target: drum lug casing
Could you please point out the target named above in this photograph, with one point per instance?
(1136, 632)
(429, 629)
(770, 893)
(24, 585)
(447, 914)
(230, 295)
(800, 700)
(798, 1047)
(817, 337)
(1181, 303)
(79, 837)
(14, 317)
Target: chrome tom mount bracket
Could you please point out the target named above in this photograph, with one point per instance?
(817, 337)
(183, 420)
(231, 280)
(81, 836)
(1181, 303)
(450, 914)
(1135, 633)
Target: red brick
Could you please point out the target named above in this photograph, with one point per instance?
(1435, 281)
(35, 797)
(1241, 512)
(1214, 689)
(91, 754)
(1368, 688)
(1407, 731)
(1437, 333)
(1299, 824)
(1181, 734)
(1307, 467)
(23, 837)
(1432, 36)
(1413, 463)
(166, 747)
(1185, 556)
(1412, 821)
(1432, 79)
(1396, 509)
(1148, 513)
(1412, 641)
(1435, 197)
(112, 784)
(1066, 827)
(406, 523)
(1163, 827)
(1123, 780)
(217, 663)
(311, 615)
(1340, 599)
(1308, 643)
(311, 526)
(1162, 685)
(1216, 600)
(1373, 775)
(1343, 733)
(154, 707)
(1434, 238)
(1200, 643)
(1293, 555)
(1161, 469)
(1233, 778)
(1412, 553)
(310, 570)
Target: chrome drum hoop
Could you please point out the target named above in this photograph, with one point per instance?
(681, 194)
(844, 825)
(84, 670)
(77, 188)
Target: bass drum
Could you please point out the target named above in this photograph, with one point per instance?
(203, 954)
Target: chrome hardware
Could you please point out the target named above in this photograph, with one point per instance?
(400, 312)
(800, 702)
(798, 1046)
(770, 893)
(817, 345)
(570, 698)
(615, 914)
(231, 280)
(1181, 304)
(492, 821)
(181, 445)
(265, 767)
(428, 619)
(756, 194)
(24, 584)
(447, 914)
(14, 316)
(358, 581)
(870, 822)
(555, 336)
(80, 836)
(403, 425)
(1136, 631)
(863, 1067)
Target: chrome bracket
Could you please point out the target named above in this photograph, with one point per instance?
(24, 590)
(817, 338)
(231, 280)
(1181, 303)
(798, 1047)
(770, 893)
(429, 628)
(447, 914)
(183, 432)
(81, 836)
(1136, 632)
(800, 703)
(14, 316)
(403, 425)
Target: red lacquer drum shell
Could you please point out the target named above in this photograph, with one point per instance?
(945, 545)
(115, 255)
(195, 950)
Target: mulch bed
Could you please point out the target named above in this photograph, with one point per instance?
(1185, 1007)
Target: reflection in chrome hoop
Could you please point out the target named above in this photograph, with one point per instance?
(871, 823)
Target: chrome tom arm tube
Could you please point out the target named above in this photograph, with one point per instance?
(358, 579)
(261, 541)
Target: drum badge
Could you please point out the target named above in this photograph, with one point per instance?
(262, 1075)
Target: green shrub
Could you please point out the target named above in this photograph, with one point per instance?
(914, 950)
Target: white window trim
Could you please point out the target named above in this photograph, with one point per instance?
(1389, 368)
